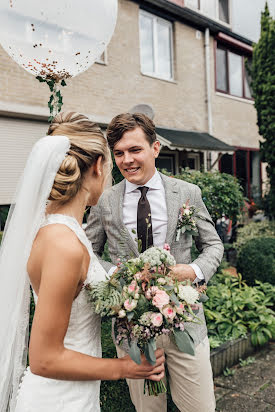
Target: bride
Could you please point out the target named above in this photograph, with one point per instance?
(44, 245)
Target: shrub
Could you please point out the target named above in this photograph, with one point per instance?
(1, 234)
(221, 192)
(253, 230)
(235, 309)
(256, 260)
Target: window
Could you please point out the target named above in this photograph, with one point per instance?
(155, 46)
(215, 9)
(231, 74)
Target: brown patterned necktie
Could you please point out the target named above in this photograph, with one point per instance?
(144, 221)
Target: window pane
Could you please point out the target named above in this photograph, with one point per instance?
(221, 68)
(192, 3)
(223, 11)
(208, 7)
(247, 82)
(235, 74)
(146, 44)
(164, 52)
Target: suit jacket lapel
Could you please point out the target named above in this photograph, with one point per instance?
(173, 205)
(117, 213)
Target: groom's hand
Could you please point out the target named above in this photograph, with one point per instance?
(183, 272)
(145, 370)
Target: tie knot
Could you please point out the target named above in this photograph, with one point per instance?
(143, 190)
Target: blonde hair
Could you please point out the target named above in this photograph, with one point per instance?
(87, 145)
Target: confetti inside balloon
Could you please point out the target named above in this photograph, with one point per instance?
(56, 39)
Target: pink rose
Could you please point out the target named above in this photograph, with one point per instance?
(148, 294)
(133, 287)
(130, 306)
(157, 319)
(168, 312)
(180, 308)
(166, 246)
(160, 299)
(138, 276)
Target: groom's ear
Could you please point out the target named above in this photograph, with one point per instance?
(156, 147)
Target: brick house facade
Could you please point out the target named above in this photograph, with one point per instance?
(186, 103)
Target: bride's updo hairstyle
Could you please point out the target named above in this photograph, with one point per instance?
(87, 145)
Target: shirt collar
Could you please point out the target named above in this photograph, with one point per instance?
(154, 183)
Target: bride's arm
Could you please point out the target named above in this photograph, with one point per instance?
(61, 267)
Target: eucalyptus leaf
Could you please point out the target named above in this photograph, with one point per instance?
(184, 342)
(149, 351)
(134, 352)
(174, 299)
(168, 287)
(130, 316)
(203, 298)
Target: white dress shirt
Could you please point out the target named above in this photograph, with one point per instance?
(156, 198)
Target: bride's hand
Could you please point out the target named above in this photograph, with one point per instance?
(145, 370)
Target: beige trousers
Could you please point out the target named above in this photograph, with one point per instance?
(190, 379)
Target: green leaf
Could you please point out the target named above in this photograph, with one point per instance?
(134, 352)
(174, 299)
(149, 351)
(203, 298)
(130, 315)
(184, 341)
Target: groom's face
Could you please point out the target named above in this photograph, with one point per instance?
(135, 157)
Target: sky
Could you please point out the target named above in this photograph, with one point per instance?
(246, 15)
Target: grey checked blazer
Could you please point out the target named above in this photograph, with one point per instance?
(106, 223)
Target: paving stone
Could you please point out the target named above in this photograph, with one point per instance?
(267, 393)
(236, 402)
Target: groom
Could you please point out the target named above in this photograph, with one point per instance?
(122, 209)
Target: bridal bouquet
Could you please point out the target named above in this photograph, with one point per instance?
(146, 300)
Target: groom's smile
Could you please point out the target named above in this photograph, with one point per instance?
(135, 157)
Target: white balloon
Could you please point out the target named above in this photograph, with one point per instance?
(56, 39)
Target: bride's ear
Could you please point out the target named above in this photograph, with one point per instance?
(97, 166)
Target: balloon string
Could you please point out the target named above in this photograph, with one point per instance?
(56, 100)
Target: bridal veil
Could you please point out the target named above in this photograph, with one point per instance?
(24, 220)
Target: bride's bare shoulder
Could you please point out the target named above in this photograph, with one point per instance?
(58, 238)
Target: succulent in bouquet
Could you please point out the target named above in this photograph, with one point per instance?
(147, 300)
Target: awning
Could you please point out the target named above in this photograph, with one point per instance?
(176, 139)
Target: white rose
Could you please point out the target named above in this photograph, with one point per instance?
(188, 293)
(121, 313)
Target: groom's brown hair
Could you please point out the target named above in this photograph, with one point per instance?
(129, 121)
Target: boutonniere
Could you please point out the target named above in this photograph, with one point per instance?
(186, 221)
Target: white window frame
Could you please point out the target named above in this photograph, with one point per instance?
(216, 18)
(196, 157)
(156, 20)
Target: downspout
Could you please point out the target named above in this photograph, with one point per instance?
(208, 89)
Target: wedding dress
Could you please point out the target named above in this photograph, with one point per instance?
(39, 394)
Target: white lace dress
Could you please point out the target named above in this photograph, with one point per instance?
(38, 394)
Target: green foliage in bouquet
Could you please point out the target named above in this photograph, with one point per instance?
(254, 230)
(221, 192)
(235, 309)
(256, 260)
